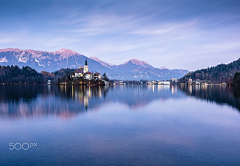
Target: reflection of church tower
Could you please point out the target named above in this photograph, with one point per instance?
(85, 98)
(85, 67)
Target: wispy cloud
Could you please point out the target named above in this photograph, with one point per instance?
(180, 34)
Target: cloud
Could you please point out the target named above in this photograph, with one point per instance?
(7, 40)
(182, 34)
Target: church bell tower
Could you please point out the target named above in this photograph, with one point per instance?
(85, 70)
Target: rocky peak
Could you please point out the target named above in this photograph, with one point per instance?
(10, 49)
(65, 53)
(139, 63)
(163, 67)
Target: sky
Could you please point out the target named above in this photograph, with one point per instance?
(180, 34)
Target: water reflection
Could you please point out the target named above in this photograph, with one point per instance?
(69, 101)
(220, 94)
(64, 101)
(182, 130)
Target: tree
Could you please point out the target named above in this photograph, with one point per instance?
(105, 77)
(236, 79)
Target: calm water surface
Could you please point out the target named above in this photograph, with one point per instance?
(120, 125)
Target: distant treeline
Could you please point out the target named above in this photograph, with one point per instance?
(217, 74)
(11, 75)
(14, 75)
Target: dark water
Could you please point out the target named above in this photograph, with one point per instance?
(120, 125)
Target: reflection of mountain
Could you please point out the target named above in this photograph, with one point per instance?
(67, 101)
(215, 93)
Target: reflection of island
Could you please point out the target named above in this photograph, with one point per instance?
(81, 94)
(66, 101)
(63, 101)
(214, 93)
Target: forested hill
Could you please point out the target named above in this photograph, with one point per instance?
(24, 75)
(10, 75)
(217, 74)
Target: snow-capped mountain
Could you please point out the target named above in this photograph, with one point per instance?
(131, 65)
(40, 60)
(65, 58)
(47, 61)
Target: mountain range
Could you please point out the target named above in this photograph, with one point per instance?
(133, 69)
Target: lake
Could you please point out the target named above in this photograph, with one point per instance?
(120, 125)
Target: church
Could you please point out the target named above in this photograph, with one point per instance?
(84, 72)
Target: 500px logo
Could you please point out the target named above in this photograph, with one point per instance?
(24, 146)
